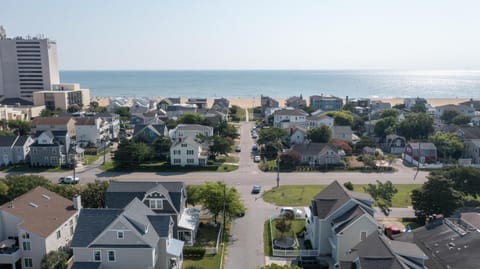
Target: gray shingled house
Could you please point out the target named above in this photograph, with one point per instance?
(14, 149)
(163, 198)
(130, 237)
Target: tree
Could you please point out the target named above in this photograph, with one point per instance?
(283, 226)
(19, 127)
(416, 126)
(74, 108)
(348, 185)
(220, 145)
(95, 107)
(436, 196)
(171, 124)
(130, 154)
(465, 179)
(321, 134)
(342, 144)
(418, 107)
(191, 118)
(193, 194)
(162, 145)
(54, 260)
(382, 193)
(461, 120)
(358, 124)
(342, 118)
(93, 196)
(212, 198)
(448, 115)
(290, 158)
(225, 129)
(67, 191)
(21, 184)
(3, 192)
(365, 141)
(272, 134)
(390, 113)
(123, 112)
(385, 126)
(448, 145)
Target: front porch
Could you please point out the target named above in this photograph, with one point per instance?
(188, 225)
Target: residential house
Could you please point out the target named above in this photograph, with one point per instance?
(423, 152)
(395, 144)
(92, 130)
(317, 154)
(190, 130)
(463, 132)
(409, 102)
(150, 132)
(267, 102)
(186, 150)
(296, 102)
(326, 102)
(142, 105)
(48, 151)
(221, 105)
(287, 118)
(65, 124)
(165, 102)
(163, 198)
(463, 110)
(475, 121)
(451, 242)
(199, 102)
(213, 116)
(117, 102)
(177, 110)
(339, 220)
(378, 251)
(131, 237)
(471, 150)
(34, 224)
(14, 149)
(297, 135)
(317, 121)
(472, 103)
(378, 105)
(144, 118)
(343, 133)
(113, 121)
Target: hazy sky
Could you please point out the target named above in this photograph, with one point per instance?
(253, 34)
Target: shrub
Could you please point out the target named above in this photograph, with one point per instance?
(348, 185)
(193, 251)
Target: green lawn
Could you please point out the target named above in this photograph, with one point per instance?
(227, 159)
(301, 195)
(207, 236)
(297, 226)
(166, 167)
(207, 262)
(267, 239)
(88, 159)
(27, 168)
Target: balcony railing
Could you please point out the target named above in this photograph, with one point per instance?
(10, 255)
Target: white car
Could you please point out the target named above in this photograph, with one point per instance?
(68, 180)
(257, 159)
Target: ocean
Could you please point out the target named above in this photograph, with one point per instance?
(279, 84)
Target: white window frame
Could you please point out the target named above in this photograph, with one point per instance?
(95, 251)
(153, 203)
(114, 255)
(26, 246)
(59, 234)
(120, 233)
(25, 262)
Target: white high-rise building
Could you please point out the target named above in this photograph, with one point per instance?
(27, 65)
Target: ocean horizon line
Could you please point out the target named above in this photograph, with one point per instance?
(289, 70)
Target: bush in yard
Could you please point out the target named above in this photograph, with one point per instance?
(348, 185)
(193, 252)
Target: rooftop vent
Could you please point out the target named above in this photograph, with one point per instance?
(33, 205)
(46, 196)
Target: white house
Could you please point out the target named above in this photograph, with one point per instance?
(92, 130)
(34, 224)
(188, 151)
(285, 118)
(190, 130)
(317, 121)
(339, 219)
(343, 133)
(14, 149)
(113, 120)
(297, 135)
(463, 110)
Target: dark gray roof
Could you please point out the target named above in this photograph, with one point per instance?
(348, 217)
(159, 128)
(467, 132)
(311, 148)
(105, 115)
(423, 145)
(7, 141)
(291, 112)
(15, 101)
(86, 265)
(120, 193)
(331, 198)
(161, 224)
(91, 222)
(21, 141)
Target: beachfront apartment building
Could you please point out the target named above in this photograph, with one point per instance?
(27, 65)
(34, 224)
(63, 96)
(326, 102)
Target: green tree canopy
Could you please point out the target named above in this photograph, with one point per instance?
(123, 112)
(448, 145)
(465, 179)
(392, 112)
(461, 120)
(272, 134)
(220, 145)
(162, 145)
(448, 115)
(436, 196)
(226, 129)
(191, 118)
(54, 260)
(382, 193)
(416, 126)
(93, 196)
(211, 196)
(418, 107)
(342, 118)
(19, 127)
(320, 134)
(21, 184)
(130, 154)
(385, 126)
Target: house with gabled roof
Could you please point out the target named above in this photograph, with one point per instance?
(319, 120)
(188, 151)
(34, 224)
(378, 251)
(339, 220)
(286, 118)
(129, 237)
(64, 124)
(296, 102)
(297, 135)
(150, 132)
(163, 198)
(14, 149)
(316, 154)
(190, 130)
(47, 150)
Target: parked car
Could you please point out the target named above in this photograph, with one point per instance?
(68, 180)
(256, 189)
(254, 147)
(296, 212)
(238, 149)
(257, 159)
(254, 135)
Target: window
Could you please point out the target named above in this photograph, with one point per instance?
(59, 234)
(363, 235)
(120, 235)
(111, 255)
(177, 161)
(97, 255)
(28, 262)
(189, 151)
(26, 245)
(71, 230)
(156, 203)
(184, 145)
(190, 161)
(26, 236)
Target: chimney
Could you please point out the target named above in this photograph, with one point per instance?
(77, 202)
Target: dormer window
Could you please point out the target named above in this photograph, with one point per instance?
(120, 235)
(156, 203)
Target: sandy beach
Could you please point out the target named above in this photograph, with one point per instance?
(253, 102)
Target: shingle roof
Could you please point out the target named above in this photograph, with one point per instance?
(349, 217)
(41, 211)
(120, 193)
(193, 127)
(91, 223)
(290, 112)
(423, 145)
(311, 148)
(188, 140)
(21, 141)
(7, 141)
(85, 121)
(161, 224)
(51, 121)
